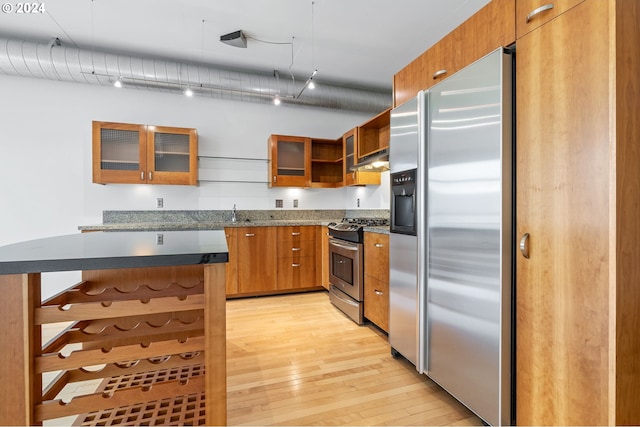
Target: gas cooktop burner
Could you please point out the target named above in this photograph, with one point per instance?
(367, 221)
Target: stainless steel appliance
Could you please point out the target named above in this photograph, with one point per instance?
(406, 250)
(464, 276)
(346, 264)
(403, 202)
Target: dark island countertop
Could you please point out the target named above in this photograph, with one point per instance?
(99, 250)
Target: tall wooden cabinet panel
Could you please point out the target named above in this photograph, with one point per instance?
(489, 28)
(290, 159)
(578, 194)
(256, 259)
(530, 14)
(125, 153)
(376, 279)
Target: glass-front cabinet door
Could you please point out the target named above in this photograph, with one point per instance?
(119, 153)
(125, 153)
(172, 155)
(290, 158)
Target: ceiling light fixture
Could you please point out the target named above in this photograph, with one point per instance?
(188, 92)
(235, 39)
(118, 82)
(276, 100)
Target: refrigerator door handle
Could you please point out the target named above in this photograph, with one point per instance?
(524, 245)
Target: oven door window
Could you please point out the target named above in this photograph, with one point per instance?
(342, 268)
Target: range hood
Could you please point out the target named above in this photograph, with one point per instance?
(374, 162)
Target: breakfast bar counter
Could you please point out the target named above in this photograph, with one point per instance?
(147, 321)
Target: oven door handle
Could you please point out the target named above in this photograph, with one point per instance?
(343, 246)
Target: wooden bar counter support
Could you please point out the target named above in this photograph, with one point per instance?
(148, 315)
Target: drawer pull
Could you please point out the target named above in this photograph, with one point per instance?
(295, 233)
(250, 234)
(295, 265)
(379, 245)
(296, 249)
(541, 9)
(377, 292)
(439, 73)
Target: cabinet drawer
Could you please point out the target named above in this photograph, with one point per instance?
(299, 249)
(530, 14)
(376, 255)
(376, 302)
(297, 272)
(296, 233)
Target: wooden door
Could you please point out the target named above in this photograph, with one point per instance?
(530, 14)
(290, 158)
(172, 155)
(562, 167)
(119, 153)
(256, 259)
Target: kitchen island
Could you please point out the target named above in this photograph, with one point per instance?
(147, 319)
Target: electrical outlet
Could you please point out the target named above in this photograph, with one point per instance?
(159, 202)
(159, 239)
(279, 203)
(295, 203)
(357, 202)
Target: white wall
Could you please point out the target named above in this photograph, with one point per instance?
(45, 155)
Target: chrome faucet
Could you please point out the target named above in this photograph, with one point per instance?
(233, 213)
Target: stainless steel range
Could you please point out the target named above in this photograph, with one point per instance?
(346, 264)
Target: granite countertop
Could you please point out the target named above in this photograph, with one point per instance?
(218, 220)
(96, 251)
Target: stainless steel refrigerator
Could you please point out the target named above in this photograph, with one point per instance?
(464, 278)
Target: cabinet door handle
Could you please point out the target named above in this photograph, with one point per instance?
(541, 9)
(295, 265)
(250, 234)
(524, 245)
(150, 176)
(295, 233)
(439, 73)
(275, 178)
(296, 249)
(379, 245)
(142, 176)
(377, 292)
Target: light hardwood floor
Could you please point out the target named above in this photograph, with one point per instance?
(297, 360)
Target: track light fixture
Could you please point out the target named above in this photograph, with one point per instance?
(118, 82)
(276, 100)
(188, 92)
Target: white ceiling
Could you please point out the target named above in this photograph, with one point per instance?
(360, 43)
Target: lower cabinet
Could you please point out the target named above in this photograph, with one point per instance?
(376, 279)
(256, 259)
(267, 260)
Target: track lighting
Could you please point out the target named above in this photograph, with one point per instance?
(276, 100)
(311, 85)
(188, 92)
(117, 83)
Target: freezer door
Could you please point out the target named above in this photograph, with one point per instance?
(469, 217)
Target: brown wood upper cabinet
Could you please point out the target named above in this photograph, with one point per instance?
(327, 163)
(290, 159)
(374, 135)
(125, 153)
(491, 27)
(530, 14)
(350, 147)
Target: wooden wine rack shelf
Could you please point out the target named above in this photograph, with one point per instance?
(148, 333)
(180, 410)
